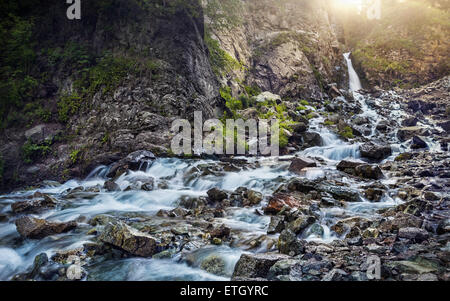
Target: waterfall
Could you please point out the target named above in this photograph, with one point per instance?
(355, 83)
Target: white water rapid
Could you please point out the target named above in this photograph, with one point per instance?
(175, 179)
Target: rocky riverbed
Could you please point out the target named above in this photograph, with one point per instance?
(316, 213)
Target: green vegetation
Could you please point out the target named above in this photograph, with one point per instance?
(31, 151)
(398, 44)
(328, 123)
(221, 62)
(224, 14)
(105, 138)
(75, 156)
(105, 76)
(347, 132)
(252, 90)
(304, 102)
(17, 83)
(68, 106)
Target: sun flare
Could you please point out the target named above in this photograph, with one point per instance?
(355, 3)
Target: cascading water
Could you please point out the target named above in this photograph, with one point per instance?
(176, 179)
(355, 83)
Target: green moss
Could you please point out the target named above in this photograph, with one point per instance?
(310, 115)
(328, 123)
(347, 132)
(75, 156)
(252, 90)
(105, 138)
(221, 62)
(304, 102)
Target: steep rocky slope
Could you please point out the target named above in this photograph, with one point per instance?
(76, 94)
(108, 84)
(288, 47)
(407, 47)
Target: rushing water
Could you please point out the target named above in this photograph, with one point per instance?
(354, 82)
(180, 180)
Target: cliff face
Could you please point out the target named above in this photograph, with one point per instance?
(407, 47)
(113, 83)
(288, 47)
(76, 94)
(115, 80)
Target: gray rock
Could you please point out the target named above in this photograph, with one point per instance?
(129, 239)
(34, 205)
(214, 264)
(301, 223)
(276, 224)
(374, 151)
(111, 186)
(335, 275)
(311, 139)
(299, 163)
(216, 195)
(30, 227)
(418, 142)
(267, 96)
(288, 243)
(406, 133)
(414, 234)
(256, 265)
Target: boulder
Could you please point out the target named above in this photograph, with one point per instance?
(414, 234)
(302, 185)
(374, 151)
(142, 182)
(276, 224)
(217, 195)
(341, 193)
(134, 161)
(253, 198)
(43, 133)
(111, 186)
(382, 126)
(252, 266)
(301, 223)
(289, 244)
(408, 122)
(418, 142)
(221, 232)
(312, 139)
(443, 226)
(214, 264)
(360, 169)
(445, 126)
(34, 205)
(299, 163)
(30, 227)
(268, 96)
(299, 128)
(368, 171)
(280, 200)
(348, 166)
(129, 239)
(406, 133)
